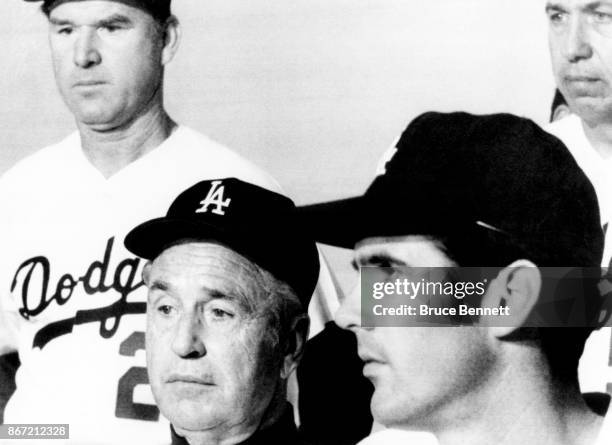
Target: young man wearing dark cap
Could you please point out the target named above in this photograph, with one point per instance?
(229, 282)
(484, 191)
(72, 301)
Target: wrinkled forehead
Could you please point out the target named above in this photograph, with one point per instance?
(209, 267)
(410, 250)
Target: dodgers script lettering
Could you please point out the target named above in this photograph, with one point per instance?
(95, 280)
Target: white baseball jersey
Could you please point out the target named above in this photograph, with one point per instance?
(72, 298)
(595, 372)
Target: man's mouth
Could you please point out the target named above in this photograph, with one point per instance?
(367, 357)
(581, 79)
(88, 83)
(190, 379)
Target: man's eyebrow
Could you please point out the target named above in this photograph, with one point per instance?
(376, 259)
(594, 5)
(60, 22)
(551, 6)
(218, 295)
(159, 285)
(248, 305)
(113, 19)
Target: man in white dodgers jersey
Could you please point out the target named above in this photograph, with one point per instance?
(72, 299)
(580, 42)
(497, 193)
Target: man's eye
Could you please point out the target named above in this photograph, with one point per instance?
(602, 17)
(220, 314)
(557, 17)
(65, 30)
(109, 28)
(165, 309)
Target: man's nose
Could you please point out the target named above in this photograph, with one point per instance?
(86, 48)
(348, 315)
(577, 43)
(188, 342)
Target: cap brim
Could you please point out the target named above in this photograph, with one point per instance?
(148, 239)
(340, 223)
(343, 223)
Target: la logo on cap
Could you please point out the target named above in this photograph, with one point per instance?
(215, 198)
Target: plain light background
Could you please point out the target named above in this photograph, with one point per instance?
(314, 91)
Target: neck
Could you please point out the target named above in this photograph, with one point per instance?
(236, 434)
(110, 150)
(600, 137)
(520, 407)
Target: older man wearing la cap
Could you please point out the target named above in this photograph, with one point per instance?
(229, 277)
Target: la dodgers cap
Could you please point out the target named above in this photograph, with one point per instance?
(160, 9)
(459, 176)
(255, 222)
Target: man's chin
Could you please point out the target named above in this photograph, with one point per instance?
(97, 118)
(392, 412)
(382, 410)
(592, 110)
(189, 416)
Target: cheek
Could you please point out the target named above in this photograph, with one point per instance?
(249, 360)
(239, 357)
(436, 357)
(158, 351)
(605, 55)
(556, 59)
(61, 62)
(139, 65)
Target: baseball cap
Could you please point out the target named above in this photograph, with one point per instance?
(159, 9)
(254, 222)
(477, 179)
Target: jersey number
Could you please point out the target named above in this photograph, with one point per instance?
(126, 408)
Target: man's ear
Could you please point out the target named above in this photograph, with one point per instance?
(146, 273)
(172, 38)
(294, 346)
(516, 287)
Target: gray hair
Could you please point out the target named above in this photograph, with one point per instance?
(280, 305)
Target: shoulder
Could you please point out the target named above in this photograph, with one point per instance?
(42, 162)
(41, 167)
(199, 155)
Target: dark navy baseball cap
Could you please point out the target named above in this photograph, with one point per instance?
(466, 179)
(254, 222)
(159, 9)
